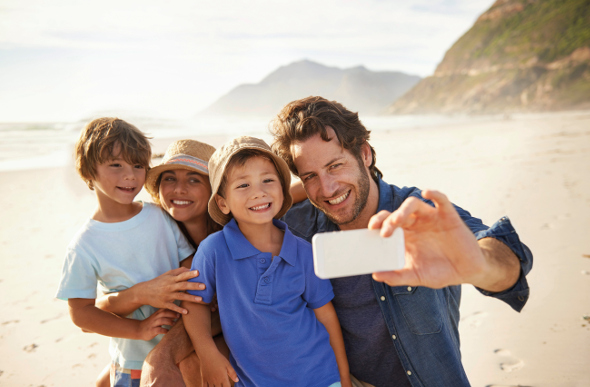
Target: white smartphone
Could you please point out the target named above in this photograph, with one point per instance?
(355, 252)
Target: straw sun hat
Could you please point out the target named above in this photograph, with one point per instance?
(218, 164)
(182, 154)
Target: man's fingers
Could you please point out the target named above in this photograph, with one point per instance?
(376, 220)
(440, 200)
(402, 277)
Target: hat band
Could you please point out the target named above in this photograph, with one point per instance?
(189, 161)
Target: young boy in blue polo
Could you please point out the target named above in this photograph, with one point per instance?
(276, 315)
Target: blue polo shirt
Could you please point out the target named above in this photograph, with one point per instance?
(266, 307)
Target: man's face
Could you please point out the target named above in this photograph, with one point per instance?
(335, 181)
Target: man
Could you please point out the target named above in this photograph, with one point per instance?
(404, 332)
(400, 328)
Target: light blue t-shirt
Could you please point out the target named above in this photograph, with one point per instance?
(117, 256)
(266, 308)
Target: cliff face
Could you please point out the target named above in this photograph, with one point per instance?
(520, 55)
(359, 89)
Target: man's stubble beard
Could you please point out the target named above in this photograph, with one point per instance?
(363, 184)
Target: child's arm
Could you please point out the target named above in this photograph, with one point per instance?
(87, 316)
(327, 316)
(160, 292)
(215, 368)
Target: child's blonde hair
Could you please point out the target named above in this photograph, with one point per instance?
(97, 142)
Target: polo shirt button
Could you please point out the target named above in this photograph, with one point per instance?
(409, 373)
(266, 280)
(382, 298)
(262, 260)
(393, 337)
(409, 288)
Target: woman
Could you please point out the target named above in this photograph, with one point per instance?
(180, 185)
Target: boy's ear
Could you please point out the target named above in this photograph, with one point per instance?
(222, 204)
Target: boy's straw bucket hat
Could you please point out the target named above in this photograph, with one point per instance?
(218, 164)
(182, 154)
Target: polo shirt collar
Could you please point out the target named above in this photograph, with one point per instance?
(241, 248)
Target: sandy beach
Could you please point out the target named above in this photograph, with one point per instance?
(533, 168)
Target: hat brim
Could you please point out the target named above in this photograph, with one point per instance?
(285, 174)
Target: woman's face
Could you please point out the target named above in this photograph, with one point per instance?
(184, 194)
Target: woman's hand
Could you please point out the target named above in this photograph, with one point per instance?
(162, 291)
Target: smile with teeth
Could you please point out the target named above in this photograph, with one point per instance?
(181, 202)
(339, 199)
(261, 207)
(127, 188)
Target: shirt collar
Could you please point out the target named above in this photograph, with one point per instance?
(385, 197)
(241, 248)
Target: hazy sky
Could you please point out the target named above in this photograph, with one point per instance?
(71, 59)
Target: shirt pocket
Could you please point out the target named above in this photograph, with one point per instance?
(420, 307)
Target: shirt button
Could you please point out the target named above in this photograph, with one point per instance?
(409, 373)
(393, 337)
(382, 298)
(409, 288)
(262, 260)
(266, 280)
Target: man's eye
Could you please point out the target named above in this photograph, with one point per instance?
(335, 165)
(308, 177)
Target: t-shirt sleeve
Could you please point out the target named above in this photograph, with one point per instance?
(204, 262)
(78, 277)
(318, 292)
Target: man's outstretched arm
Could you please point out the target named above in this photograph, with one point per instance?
(442, 251)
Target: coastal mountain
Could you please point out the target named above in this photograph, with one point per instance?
(520, 55)
(357, 88)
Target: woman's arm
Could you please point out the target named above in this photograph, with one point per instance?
(160, 292)
(327, 316)
(87, 316)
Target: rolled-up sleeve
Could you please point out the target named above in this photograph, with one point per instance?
(503, 231)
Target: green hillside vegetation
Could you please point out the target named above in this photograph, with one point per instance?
(519, 55)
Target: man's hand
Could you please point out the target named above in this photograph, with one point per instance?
(440, 249)
(152, 326)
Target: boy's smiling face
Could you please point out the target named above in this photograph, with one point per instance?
(118, 182)
(253, 193)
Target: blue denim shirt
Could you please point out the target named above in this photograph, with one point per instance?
(423, 322)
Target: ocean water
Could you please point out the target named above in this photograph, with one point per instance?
(48, 145)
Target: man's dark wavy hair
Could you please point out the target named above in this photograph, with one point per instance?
(302, 119)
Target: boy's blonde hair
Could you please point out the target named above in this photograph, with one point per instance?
(97, 142)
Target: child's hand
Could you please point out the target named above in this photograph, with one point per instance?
(152, 326)
(216, 370)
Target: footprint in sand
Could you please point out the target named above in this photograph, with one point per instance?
(30, 347)
(511, 363)
(474, 319)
